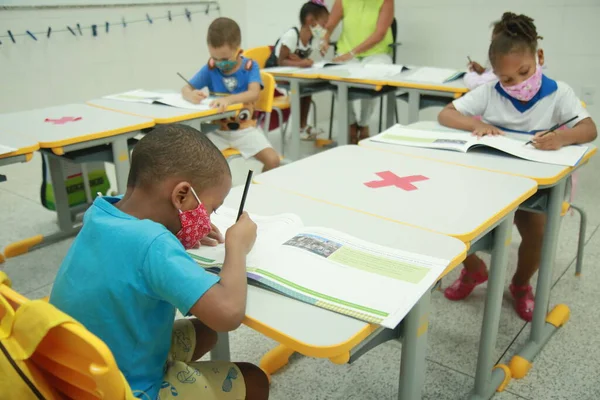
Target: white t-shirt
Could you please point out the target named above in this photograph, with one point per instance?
(496, 109)
(292, 41)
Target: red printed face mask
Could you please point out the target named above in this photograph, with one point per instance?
(195, 224)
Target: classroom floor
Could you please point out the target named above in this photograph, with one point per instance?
(566, 369)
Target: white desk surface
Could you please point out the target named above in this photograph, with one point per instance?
(487, 159)
(314, 326)
(341, 73)
(24, 144)
(457, 201)
(94, 124)
(161, 114)
(402, 80)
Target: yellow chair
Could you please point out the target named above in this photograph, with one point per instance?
(264, 104)
(261, 55)
(55, 353)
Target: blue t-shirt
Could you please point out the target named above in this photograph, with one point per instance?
(223, 84)
(122, 279)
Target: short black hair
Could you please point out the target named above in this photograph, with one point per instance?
(314, 9)
(180, 151)
(513, 32)
(224, 31)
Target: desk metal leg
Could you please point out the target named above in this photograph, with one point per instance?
(221, 351)
(120, 153)
(63, 215)
(485, 377)
(295, 128)
(544, 325)
(342, 112)
(414, 348)
(390, 111)
(414, 100)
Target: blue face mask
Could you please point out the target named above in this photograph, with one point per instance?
(225, 65)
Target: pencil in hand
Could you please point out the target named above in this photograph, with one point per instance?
(555, 127)
(243, 202)
(186, 81)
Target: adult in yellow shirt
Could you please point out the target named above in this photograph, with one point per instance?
(366, 38)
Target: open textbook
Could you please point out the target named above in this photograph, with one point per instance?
(438, 137)
(329, 269)
(169, 99)
(346, 70)
(434, 75)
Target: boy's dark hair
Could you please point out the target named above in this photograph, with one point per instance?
(224, 31)
(513, 33)
(314, 9)
(176, 151)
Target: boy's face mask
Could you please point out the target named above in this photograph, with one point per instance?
(227, 65)
(195, 225)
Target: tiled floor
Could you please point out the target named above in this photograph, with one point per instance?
(566, 369)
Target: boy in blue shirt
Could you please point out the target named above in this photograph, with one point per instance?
(236, 79)
(128, 270)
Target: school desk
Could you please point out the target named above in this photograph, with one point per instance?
(162, 114)
(551, 180)
(340, 77)
(465, 203)
(301, 83)
(67, 130)
(316, 332)
(24, 145)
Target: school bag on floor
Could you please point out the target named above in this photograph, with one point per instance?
(73, 172)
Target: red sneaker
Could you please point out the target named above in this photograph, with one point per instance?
(460, 289)
(524, 301)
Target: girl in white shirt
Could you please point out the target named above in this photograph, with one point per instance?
(523, 101)
(294, 48)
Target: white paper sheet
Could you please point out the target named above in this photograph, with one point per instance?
(450, 139)
(333, 270)
(432, 75)
(6, 149)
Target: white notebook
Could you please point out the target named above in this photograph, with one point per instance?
(451, 139)
(330, 269)
(6, 149)
(434, 75)
(170, 99)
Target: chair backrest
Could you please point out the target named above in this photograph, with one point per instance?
(69, 358)
(259, 54)
(265, 101)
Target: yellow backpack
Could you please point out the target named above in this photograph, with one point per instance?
(45, 354)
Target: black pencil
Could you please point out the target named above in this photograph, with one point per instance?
(555, 127)
(248, 182)
(186, 81)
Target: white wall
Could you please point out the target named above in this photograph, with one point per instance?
(436, 32)
(444, 32)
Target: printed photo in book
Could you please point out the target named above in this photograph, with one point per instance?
(330, 269)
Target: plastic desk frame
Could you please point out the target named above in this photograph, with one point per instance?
(544, 324)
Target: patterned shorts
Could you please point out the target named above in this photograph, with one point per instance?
(211, 380)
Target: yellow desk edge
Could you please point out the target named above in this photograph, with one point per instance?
(340, 351)
(540, 181)
(463, 237)
(378, 84)
(191, 116)
(26, 151)
(57, 147)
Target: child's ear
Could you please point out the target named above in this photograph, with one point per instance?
(540, 54)
(180, 193)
